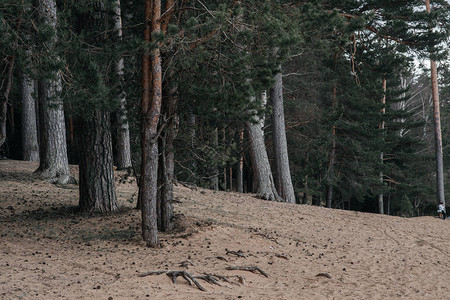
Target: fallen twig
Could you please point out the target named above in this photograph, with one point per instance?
(323, 275)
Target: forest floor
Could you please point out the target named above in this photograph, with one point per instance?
(49, 251)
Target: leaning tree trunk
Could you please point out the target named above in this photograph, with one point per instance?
(54, 164)
(123, 132)
(263, 183)
(30, 143)
(97, 190)
(283, 179)
(437, 128)
(151, 108)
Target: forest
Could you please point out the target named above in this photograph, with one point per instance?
(342, 104)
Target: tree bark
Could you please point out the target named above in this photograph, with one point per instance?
(240, 168)
(167, 163)
(332, 161)
(150, 119)
(437, 128)
(215, 168)
(383, 111)
(30, 143)
(283, 179)
(263, 183)
(123, 132)
(97, 190)
(4, 97)
(54, 164)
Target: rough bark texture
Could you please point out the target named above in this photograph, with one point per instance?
(97, 189)
(263, 183)
(123, 132)
(437, 128)
(30, 143)
(283, 179)
(150, 118)
(54, 164)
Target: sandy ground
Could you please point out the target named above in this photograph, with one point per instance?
(48, 251)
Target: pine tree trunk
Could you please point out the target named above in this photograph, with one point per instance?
(150, 119)
(437, 128)
(263, 183)
(54, 164)
(30, 144)
(240, 169)
(215, 169)
(383, 111)
(332, 161)
(97, 188)
(4, 96)
(283, 179)
(123, 132)
(167, 163)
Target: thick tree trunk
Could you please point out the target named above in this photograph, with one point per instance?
(263, 183)
(4, 97)
(150, 118)
(123, 132)
(54, 164)
(30, 143)
(437, 128)
(97, 189)
(283, 179)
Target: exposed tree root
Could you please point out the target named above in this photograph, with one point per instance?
(253, 269)
(237, 253)
(192, 280)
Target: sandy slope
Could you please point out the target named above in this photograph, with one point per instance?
(47, 251)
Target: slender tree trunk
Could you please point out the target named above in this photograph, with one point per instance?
(54, 164)
(123, 132)
(263, 183)
(4, 97)
(437, 128)
(30, 144)
(97, 189)
(167, 161)
(240, 169)
(215, 169)
(383, 111)
(332, 162)
(283, 179)
(150, 119)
